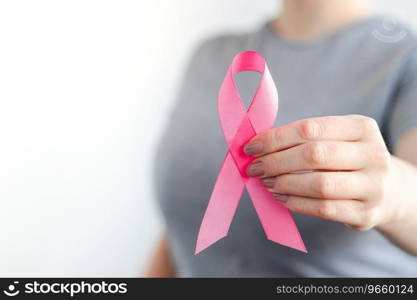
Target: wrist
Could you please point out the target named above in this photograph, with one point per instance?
(401, 196)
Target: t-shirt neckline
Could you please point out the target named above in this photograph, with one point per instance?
(273, 35)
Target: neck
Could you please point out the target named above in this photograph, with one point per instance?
(310, 19)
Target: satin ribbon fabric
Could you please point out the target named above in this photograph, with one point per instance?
(239, 126)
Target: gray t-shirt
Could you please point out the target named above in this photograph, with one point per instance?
(352, 71)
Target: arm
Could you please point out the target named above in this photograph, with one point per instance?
(161, 264)
(356, 181)
(404, 233)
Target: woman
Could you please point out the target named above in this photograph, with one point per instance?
(348, 108)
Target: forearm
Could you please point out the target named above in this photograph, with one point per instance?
(161, 264)
(403, 230)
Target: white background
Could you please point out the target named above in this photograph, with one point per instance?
(85, 87)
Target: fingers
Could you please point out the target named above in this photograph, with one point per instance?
(342, 151)
(351, 212)
(311, 156)
(332, 128)
(322, 185)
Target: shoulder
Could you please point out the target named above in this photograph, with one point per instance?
(213, 55)
(393, 37)
(382, 44)
(399, 42)
(226, 43)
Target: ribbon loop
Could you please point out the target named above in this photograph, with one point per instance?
(239, 126)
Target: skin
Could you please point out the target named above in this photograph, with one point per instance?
(355, 181)
(307, 20)
(161, 263)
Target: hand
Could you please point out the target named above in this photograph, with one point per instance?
(352, 177)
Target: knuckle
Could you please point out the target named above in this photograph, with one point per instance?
(385, 163)
(276, 137)
(369, 123)
(378, 188)
(271, 164)
(325, 186)
(315, 153)
(325, 210)
(368, 219)
(382, 158)
(355, 117)
(279, 185)
(310, 130)
(357, 227)
(303, 207)
(378, 156)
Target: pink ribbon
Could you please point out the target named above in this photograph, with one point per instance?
(239, 126)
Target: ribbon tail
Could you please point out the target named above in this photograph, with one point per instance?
(276, 220)
(222, 205)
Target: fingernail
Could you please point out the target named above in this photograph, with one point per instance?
(269, 182)
(256, 169)
(280, 197)
(253, 148)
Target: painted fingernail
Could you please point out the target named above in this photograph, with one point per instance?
(256, 169)
(280, 197)
(253, 148)
(269, 182)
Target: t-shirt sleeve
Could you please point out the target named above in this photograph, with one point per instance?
(402, 114)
